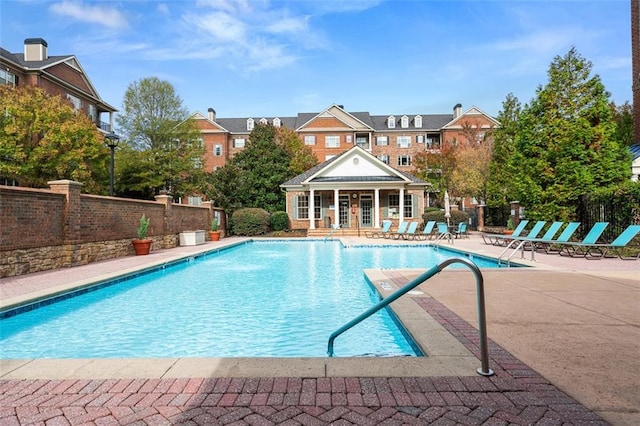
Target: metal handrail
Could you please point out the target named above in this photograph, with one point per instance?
(484, 370)
(333, 231)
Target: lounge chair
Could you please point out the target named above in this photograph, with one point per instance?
(409, 232)
(402, 228)
(599, 251)
(505, 240)
(548, 236)
(547, 244)
(427, 232)
(443, 232)
(499, 239)
(386, 226)
(461, 231)
(580, 249)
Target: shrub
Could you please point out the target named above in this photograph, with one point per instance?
(280, 221)
(457, 216)
(249, 222)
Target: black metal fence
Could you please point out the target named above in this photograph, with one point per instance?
(497, 216)
(619, 210)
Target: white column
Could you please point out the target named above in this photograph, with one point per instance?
(401, 212)
(336, 203)
(312, 210)
(376, 208)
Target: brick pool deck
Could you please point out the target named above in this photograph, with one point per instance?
(517, 394)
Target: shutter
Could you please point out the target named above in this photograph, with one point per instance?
(414, 205)
(294, 207)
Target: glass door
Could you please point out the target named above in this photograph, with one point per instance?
(366, 204)
(344, 211)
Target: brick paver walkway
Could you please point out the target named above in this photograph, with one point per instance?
(515, 395)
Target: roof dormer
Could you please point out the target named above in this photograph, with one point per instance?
(417, 121)
(404, 122)
(391, 122)
(276, 122)
(250, 124)
(264, 121)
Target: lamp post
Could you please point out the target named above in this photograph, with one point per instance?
(112, 140)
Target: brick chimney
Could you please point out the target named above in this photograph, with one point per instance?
(211, 113)
(35, 49)
(457, 110)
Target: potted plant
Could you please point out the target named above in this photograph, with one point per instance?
(142, 245)
(214, 234)
(510, 227)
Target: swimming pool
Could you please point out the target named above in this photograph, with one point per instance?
(264, 298)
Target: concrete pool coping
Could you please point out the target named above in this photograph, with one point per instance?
(445, 355)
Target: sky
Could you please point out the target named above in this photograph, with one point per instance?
(255, 58)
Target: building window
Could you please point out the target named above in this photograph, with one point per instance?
(250, 124)
(433, 141)
(417, 121)
(303, 206)
(404, 160)
(391, 122)
(310, 139)
(404, 141)
(408, 205)
(195, 200)
(419, 138)
(332, 141)
(384, 158)
(77, 102)
(276, 122)
(7, 77)
(93, 113)
(238, 143)
(404, 122)
(263, 121)
(382, 140)
(394, 205)
(363, 142)
(217, 150)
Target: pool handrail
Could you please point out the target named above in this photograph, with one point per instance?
(484, 370)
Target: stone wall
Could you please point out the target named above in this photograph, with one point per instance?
(60, 227)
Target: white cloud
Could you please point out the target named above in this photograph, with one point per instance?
(288, 25)
(95, 14)
(220, 25)
(163, 9)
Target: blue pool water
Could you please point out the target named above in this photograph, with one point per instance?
(264, 298)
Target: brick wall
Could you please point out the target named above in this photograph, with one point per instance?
(60, 227)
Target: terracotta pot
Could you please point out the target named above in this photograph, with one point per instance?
(507, 231)
(141, 247)
(214, 235)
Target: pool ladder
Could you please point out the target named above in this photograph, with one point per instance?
(484, 370)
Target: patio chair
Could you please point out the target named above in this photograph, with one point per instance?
(427, 232)
(505, 240)
(547, 244)
(386, 226)
(548, 236)
(402, 228)
(409, 232)
(461, 231)
(599, 251)
(499, 239)
(580, 249)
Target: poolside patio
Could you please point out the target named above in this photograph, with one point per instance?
(563, 343)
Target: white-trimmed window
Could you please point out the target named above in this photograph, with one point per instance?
(7, 77)
(264, 121)
(332, 141)
(404, 122)
(276, 122)
(195, 200)
(404, 160)
(310, 139)
(384, 158)
(419, 138)
(417, 121)
(391, 122)
(404, 141)
(303, 206)
(250, 124)
(238, 143)
(217, 150)
(382, 140)
(394, 204)
(77, 102)
(93, 112)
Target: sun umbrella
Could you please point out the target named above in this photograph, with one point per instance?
(447, 206)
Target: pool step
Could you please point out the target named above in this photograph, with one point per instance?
(342, 232)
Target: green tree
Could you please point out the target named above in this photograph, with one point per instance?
(566, 144)
(167, 141)
(500, 188)
(252, 178)
(470, 176)
(43, 138)
(436, 167)
(623, 116)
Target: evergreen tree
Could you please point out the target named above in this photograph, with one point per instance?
(566, 144)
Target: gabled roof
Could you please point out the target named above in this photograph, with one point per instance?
(17, 59)
(198, 116)
(468, 114)
(351, 121)
(355, 165)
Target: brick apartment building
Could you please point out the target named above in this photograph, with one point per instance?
(60, 75)
(366, 160)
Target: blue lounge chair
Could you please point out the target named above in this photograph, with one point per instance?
(499, 239)
(599, 251)
(461, 232)
(386, 226)
(565, 236)
(506, 240)
(443, 232)
(402, 228)
(548, 236)
(427, 232)
(409, 232)
(579, 249)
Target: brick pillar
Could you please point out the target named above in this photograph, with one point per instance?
(167, 200)
(72, 210)
(481, 209)
(515, 212)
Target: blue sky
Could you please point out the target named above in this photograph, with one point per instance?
(277, 58)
